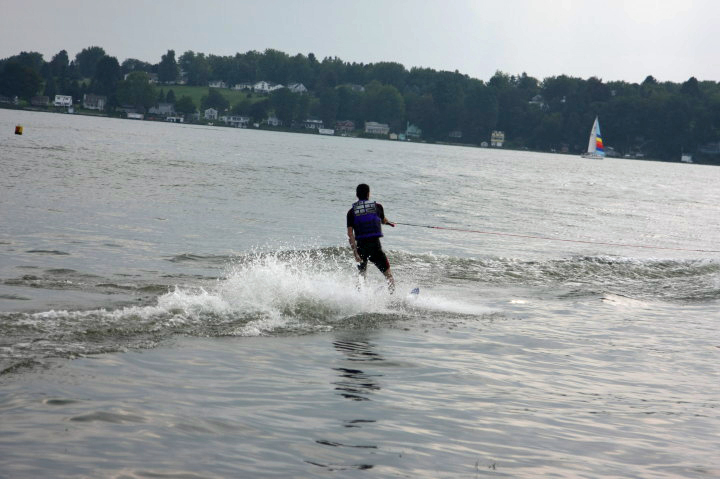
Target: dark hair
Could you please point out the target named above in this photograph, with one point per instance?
(362, 191)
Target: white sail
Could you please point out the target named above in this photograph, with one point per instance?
(595, 145)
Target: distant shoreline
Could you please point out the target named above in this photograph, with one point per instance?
(6, 106)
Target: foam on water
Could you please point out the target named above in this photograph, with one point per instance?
(279, 292)
(292, 291)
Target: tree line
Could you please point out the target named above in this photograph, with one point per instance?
(659, 119)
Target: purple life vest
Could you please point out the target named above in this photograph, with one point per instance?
(367, 223)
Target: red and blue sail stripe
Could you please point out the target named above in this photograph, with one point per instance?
(598, 141)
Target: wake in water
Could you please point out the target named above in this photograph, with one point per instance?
(281, 292)
(306, 291)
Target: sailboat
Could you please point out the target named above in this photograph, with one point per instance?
(595, 145)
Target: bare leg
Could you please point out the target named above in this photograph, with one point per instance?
(390, 281)
(362, 273)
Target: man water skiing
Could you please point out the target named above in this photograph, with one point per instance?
(364, 229)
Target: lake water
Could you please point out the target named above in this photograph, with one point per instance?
(179, 301)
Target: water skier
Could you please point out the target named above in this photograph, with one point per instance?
(364, 230)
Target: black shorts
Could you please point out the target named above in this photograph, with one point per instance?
(371, 249)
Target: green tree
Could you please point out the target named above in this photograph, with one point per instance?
(328, 106)
(423, 113)
(385, 104)
(196, 66)
(389, 73)
(302, 108)
(107, 76)
(215, 99)
(59, 64)
(242, 107)
(135, 65)
(170, 98)
(350, 104)
(284, 102)
(87, 60)
(185, 105)
(300, 71)
(137, 90)
(168, 70)
(480, 112)
(274, 66)
(50, 88)
(20, 80)
(259, 110)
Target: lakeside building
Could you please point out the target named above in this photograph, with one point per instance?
(40, 100)
(63, 100)
(94, 102)
(273, 121)
(375, 128)
(236, 121)
(497, 138)
(242, 86)
(262, 86)
(344, 126)
(297, 88)
(164, 109)
(217, 84)
(312, 124)
(413, 131)
(210, 114)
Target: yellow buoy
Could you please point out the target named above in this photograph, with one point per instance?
(18, 130)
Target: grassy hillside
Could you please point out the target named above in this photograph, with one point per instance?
(197, 92)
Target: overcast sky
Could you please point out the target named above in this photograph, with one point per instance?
(610, 39)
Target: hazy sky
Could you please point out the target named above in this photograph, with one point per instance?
(611, 39)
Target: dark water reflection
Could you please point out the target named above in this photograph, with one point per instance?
(356, 382)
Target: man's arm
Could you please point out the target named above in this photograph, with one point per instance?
(351, 240)
(381, 213)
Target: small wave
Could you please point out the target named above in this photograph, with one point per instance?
(661, 279)
(189, 257)
(47, 251)
(14, 297)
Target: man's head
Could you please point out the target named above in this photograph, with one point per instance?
(362, 191)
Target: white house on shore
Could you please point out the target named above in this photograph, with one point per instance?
(164, 109)
(217, 84)
(312, 124)
(211, 114)
(413, 131)
(236, 121)
(63, 100)
(297, 88)
(262, 86)
(243, 86)
(94, 102)
(273, 121)
(375, 128)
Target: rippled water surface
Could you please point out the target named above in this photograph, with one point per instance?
(180, 301)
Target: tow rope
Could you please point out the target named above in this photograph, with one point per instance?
(547, 238)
